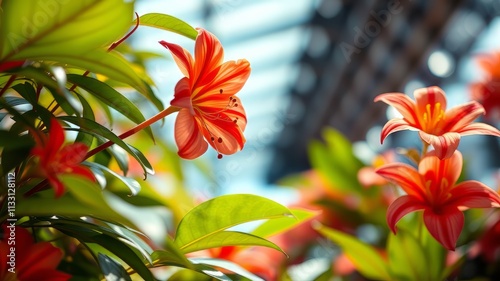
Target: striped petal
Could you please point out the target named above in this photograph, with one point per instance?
(474, 194)
(227, 136)
(395, 125)
(188, 137)
(429, 96)
(208, 56)
(445, 226)
(445, 145)
(182, 58)
(406, 177)
(479, 129)
(400, 208)
(460, 116)
(403, 104)
(436, 170)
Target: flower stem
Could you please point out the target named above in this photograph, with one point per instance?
(162, 114)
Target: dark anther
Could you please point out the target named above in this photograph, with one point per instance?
(235, 105)
(212, 138)
(221, 91)
(219, 140)
(219, 156)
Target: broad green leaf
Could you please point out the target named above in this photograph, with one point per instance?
(62, 96)
(276, 226)
(228, 238)
(13, 141)
(405, 266)
(216, 215)
(98, 129)
(87, 113)
(110, 97)
(39, 75)
(84, 198)
(111, 269)
(233, 267)
(364, 257)
(39, 29)
(168, 23)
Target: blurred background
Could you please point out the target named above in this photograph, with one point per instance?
(320, 63)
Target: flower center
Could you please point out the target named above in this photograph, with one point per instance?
(432, 118)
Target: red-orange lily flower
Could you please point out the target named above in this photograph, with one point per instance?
(487, 92)
(29, 260)
(55, 158)
(427, 114)
(433, 189)
(209, 110)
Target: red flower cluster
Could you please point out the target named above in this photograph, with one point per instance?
(487, 92)
(55, 158)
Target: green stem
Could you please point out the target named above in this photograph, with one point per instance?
(162, 114)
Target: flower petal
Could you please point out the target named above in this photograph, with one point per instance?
(474, 194)
(56, 138)
(56, 184)
(403, 104)
(434, 169)
(229, 80)
(72, 154)
(228, 136)
(406, 177)
(182, 58)
(445, 145)
(218, 107)
(460, 116)
(479, 129)
(429, 96)
(395, 125)
(445, 226)
(400, 208)
(188, 136)
(182, 95)
(208, 54)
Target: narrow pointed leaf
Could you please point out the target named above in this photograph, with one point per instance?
(110, 97)
(233, 267)
(111, 269)
(130, 183)
(168, 23)
(402, 265)
(220, 213)
(364, 257)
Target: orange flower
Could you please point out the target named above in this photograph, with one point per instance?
(33, 261)
(209, 110)
(433, 188)
(487, 92)
(436, 126)
(56, 158)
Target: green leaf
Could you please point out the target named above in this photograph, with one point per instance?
(216, 215)
(40, 76)
(26, 91)
(111, 269)
(233, 267)
(110, 97)
(335, 160)
(364, 257)
(404, 266)
(39, 29)
(276, 226)
(173, 257)
(14, 141)
(98, 129)
(110, 64)
(228, 238)
(130, 183)
(84, 198)
(168, 23)
(14, 101)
